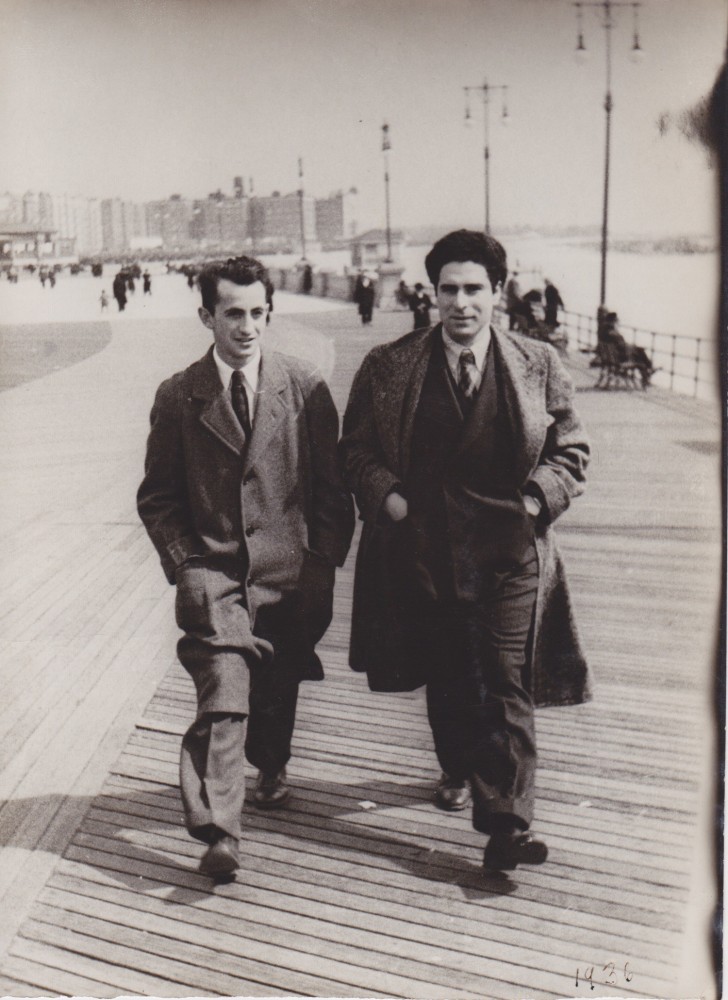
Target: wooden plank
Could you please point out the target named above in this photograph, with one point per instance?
(45, 981)
(131, 954)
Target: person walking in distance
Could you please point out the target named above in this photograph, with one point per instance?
(462, 447)
(243, 500)
(552, 303)
(364, 297)
(513, 300)
(420, 304)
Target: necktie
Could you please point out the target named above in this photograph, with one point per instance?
(239, 399)
(468, 375)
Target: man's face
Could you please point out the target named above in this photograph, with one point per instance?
(465, 299)
(238, 321)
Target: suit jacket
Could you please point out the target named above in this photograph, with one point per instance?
(550, 454)
(272, 511)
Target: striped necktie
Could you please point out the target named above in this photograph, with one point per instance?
(468, 380)
(239, 399)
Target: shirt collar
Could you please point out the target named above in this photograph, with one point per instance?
(479, 347)
(250, 371)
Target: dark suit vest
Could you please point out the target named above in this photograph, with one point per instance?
(467, 517)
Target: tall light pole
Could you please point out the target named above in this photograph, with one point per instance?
(300, 206)
(485, 90)
(606, 7)
(386, 146)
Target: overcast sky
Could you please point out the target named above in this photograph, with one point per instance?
(145, 98)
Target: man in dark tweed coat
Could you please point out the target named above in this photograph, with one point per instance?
(243, 500)
(462, 447)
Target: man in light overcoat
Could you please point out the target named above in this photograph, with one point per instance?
(245, 505)
(462, 447)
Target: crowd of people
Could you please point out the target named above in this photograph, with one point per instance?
(458, 464)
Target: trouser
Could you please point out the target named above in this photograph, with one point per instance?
(247, 690)
(479, 710)
(214, 749)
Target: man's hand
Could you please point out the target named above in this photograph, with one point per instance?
(395, 506)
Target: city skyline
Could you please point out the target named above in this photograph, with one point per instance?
(142, 101)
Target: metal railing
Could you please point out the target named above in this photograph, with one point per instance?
(679, 359)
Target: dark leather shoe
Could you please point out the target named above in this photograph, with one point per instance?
(504, 853)
(221, 858)
(452, 794)
(271, 790)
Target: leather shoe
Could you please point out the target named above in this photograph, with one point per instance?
(504, 853)
(221, 858)
(452, 794)
(271, 790)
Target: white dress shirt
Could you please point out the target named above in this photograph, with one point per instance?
(479, 347)
(251, 371)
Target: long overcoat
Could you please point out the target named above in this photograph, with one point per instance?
(551, 453)
(273, 510)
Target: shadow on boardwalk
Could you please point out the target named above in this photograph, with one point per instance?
(360, 887)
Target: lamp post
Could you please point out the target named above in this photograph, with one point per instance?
(607, 7)
(485, 90)
(300, 206)
(386, 146)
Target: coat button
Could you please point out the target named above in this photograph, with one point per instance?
(251, 581)
(249, 530)
(247, 477)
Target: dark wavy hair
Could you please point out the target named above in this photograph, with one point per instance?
(239, 270)
(468, 244)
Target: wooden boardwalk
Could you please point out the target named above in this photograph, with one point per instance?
(360, 887)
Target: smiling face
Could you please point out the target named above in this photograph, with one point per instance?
(465, 298)
(238, 320)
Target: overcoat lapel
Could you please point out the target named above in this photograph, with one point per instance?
(270, 407)
(217, 413)
(396, 395)
(523, 378)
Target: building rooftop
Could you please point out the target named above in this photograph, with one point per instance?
(378, 236)
(22, 229)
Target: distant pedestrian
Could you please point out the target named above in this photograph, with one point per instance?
(364, 297)
(420, 304)
(402, 295)
(191, 280)
(307, 279)
(147, 279)
(43, 275)
(554, 302)
(119, 290)
(52, 278)
(104, 300)
(513, 300)
(130, 283)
